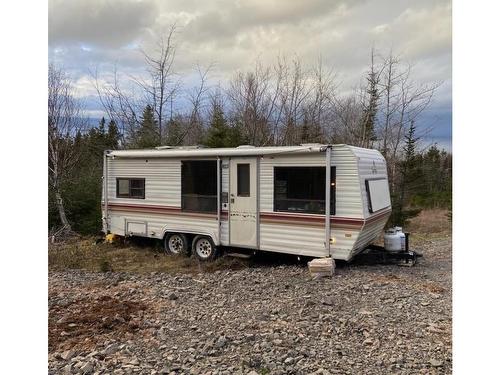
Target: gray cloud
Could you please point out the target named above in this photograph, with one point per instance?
(233, 34)
(99, 22)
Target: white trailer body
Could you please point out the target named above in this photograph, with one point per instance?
(264, 198)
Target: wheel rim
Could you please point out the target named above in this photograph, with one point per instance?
(175, 244)
(203, 248)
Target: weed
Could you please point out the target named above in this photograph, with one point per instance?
(105, 265)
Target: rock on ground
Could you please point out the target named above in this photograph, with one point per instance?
(366, 319)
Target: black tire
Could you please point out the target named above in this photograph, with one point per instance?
(204, 248)
(176, 244)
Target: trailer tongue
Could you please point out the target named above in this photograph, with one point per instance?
(396, 249)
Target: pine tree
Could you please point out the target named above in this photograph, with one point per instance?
(102, 125)
(148, 132)
(369, 117)
(218, 131)
(410, 174)
(175, 132)
(236, 136)
(113, 136)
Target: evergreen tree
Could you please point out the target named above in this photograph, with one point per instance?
(410, 175)
(102, 125)
(236, 136)
(82, 190)
(369, 116)
(148, 133)
(175, 131)
(113, 136)
(218, 131)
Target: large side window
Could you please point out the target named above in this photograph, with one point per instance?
(199, 185)
(302, 189)
(131, 188)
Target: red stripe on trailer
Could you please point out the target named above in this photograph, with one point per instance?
(265, 217)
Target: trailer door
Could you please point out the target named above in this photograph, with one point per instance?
(243, 202)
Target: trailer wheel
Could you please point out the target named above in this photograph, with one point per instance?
(204, 248)
(176, 244)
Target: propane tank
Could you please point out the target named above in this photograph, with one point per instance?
(392, 240)
(402, 237)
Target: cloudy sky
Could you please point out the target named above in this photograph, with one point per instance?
(232, 34)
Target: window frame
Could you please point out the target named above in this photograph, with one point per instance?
(369, 194)
(247, 192)
(129, 194)
(184, 194)
(333, 190)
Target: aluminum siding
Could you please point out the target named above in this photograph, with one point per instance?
(163, 189)
(306, 239)
(371, 164)
(161, 207)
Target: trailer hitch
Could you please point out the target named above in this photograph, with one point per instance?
(378, 254)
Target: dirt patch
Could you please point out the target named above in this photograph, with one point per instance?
(80, 322)
(387, 279)
(433, 288)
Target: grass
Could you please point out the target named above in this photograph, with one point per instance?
(146, 256)
(431, 221)
(137, 257)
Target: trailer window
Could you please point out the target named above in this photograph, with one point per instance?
(378, 194)
(302, 189)
(199, 185)
(243, 181)
(130, 188)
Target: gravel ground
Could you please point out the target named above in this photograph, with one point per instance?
(268, 319)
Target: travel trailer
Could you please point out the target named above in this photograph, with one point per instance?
(310, 200)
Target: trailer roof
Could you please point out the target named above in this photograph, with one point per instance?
(162, 152)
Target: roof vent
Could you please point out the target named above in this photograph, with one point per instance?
(246, 146)
(164, 147)
(311, 144)
(196, 147)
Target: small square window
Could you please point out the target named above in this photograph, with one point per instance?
(130, 188)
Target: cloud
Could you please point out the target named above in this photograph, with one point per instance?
(232, 34)
(99, 23)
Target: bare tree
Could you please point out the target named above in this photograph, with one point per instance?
(161, 85)
(295, 93)
(414, 98)
(370, 98)
(348, 115)
(196, 97)
(283, 104)
(276, 106)
(158, 90)
(390, 96)
(252, 102)
(119, 105)
(403, 101)
(64, 121)
(319, 110)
